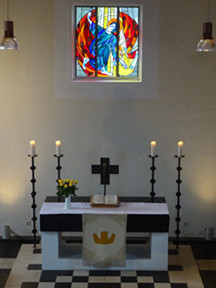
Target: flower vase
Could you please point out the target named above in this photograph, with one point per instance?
(67, 203)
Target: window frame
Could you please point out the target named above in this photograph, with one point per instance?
(76, 78)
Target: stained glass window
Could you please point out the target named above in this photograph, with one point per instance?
(107, 42)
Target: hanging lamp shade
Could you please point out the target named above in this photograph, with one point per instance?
(9, 41)
(206, 44)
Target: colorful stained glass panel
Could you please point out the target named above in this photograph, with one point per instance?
(107, 41)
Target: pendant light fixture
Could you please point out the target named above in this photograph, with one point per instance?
(9, 41)
(207, 44)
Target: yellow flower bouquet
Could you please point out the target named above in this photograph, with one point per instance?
(67, 187)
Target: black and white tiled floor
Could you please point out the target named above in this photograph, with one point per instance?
(185, 271)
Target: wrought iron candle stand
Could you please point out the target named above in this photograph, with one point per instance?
(178, 205)
(33, 194)
(152, 181)
(58, 168)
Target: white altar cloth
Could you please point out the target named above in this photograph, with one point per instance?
(58, 255)
(104, 240)
(124, 208)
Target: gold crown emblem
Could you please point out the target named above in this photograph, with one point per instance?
(104, 238)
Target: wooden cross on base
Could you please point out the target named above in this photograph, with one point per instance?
(105, 169)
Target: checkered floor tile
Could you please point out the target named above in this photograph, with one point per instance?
(26, 272)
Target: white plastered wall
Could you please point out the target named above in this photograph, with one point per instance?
(116, 127)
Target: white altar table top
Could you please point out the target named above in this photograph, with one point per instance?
(124, 208)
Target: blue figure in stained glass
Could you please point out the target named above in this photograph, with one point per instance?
(106, 44)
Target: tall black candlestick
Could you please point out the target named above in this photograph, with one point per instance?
(178, 205)
(58, 168)
(152, 181)
(33, 194)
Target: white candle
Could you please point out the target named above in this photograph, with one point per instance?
(153, 148)
(180, 148)
(32, 148)
(58, 148)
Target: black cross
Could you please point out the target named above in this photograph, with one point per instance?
(105, 169)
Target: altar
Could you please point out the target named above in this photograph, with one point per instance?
(142, 216)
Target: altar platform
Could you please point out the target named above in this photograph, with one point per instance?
(142, 216)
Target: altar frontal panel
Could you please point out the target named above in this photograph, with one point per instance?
(104, 240)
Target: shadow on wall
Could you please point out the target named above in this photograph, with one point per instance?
(122, 126)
